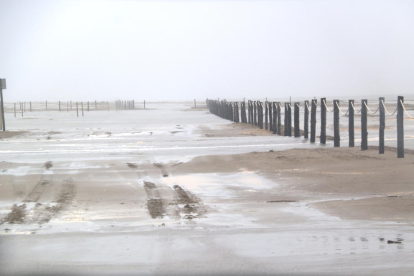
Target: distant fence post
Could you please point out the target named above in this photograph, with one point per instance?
(296, 118)
(306, 120)
(82, 108)
(400, 127)
(46, 105)
(95, 105)
(313, 121)
(88, 106)
(144, 104)
(286, 121)
(323, 121)
(279, 121)
(351, 124)
(261, 115)
(15, 110)
(77, 110)
(274, 118)
(266, 114)
(270, 116)
(30, 106)
(382, 124)
(59, 105)
(248, 112)
(364, 128)
(337, 137)
(255, 113)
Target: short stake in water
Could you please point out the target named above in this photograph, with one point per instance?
(382, 124)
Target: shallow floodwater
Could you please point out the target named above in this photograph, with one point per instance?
(108, 202)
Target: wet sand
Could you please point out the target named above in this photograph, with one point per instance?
(201, 196)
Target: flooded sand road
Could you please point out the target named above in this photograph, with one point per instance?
(209, 197)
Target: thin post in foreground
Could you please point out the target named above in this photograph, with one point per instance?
(313, 121)
(364, 129)
(351, 130)
(296, 118)
(323, 121)
(382, 124)
(337, 138)
(400, 127)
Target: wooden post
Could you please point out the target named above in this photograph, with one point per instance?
(22, 112)
(144, 104)
(266, 114)
(306, 120)
(77, 111)
(279, 121)
(95, 105)
(108, 106)
(270, 116)
(88, 106)
(59, 105)
(30, 106)
(67, 106)
(274, 118)
(296, 118)
(313, 121)
(400, 127)
(3, 122)
(261, 125)
(255, 113)
(46, 105)
(351, 124)
(288, 121)
(364, 129)
(337, 138)
(382, 124)
(70, 105)
(323, 121)
(195, 104)
(15, 110)
(82, 108)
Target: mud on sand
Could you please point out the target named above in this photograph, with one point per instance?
(345, 182)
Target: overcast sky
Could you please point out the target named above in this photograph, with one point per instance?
(181, 50)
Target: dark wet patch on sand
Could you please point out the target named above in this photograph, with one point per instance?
(16, 215)
(48, 165)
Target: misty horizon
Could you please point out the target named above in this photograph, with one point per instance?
(184, 50)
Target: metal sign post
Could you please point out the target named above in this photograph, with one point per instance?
(2, 86)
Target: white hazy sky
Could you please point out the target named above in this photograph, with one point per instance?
(181, 50)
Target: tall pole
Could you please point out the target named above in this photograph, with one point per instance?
(2, 109)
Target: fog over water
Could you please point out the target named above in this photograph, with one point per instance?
(181, 50)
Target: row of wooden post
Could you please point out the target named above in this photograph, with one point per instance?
(272, 119)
